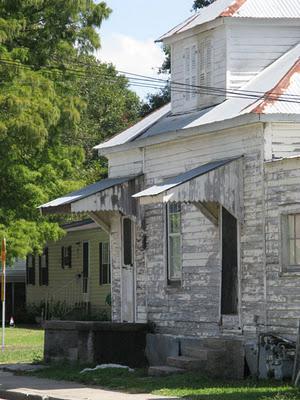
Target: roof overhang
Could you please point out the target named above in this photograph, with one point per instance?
(218, 182)
(112, 194)
(218, 126)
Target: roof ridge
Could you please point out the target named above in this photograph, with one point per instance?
(233, 8)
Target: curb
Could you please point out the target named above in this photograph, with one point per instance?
(11, 395)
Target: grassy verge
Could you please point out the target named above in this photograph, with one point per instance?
(189, 385)
(24, 344)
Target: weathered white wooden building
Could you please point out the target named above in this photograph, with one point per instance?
(202, 202)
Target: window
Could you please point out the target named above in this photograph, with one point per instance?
(173, 213)
(292, 233)
(30, 269)
(127, 242)
(43, 268)
(66, 257)
(104, 263)
(85, 266)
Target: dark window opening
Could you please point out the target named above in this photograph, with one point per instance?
(104, 263)
(229, 264)
(127, 242)
(44, 268)
(85, 262)
(30, 269)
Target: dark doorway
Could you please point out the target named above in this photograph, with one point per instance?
(229, 264)
(85, 262)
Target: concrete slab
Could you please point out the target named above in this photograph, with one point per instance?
(14, 387)
(159, 347)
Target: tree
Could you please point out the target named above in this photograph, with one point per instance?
(202, 3)
(49, 109)
(155, 101)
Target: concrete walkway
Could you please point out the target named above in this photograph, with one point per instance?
(13, 387)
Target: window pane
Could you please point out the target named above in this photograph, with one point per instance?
(292, 252)
(297, 222)
(174, 223)
(291, 223)
(43, 261)
(175, 257)
(105, 253)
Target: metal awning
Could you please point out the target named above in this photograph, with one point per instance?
(112, 194)
(215, 182)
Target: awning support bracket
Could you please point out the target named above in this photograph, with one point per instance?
(99, 221)
(205, 209)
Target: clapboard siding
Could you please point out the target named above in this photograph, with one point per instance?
(285, 139)
(251, 48)
(218, 37)
(63, 283)
(283, 186)
(195, 308)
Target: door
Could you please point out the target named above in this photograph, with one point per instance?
(229, 301)
(85, 264)
(128, 300)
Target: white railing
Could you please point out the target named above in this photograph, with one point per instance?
(65, 300)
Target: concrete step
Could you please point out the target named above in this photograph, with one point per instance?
(188, 363)
(164, 370)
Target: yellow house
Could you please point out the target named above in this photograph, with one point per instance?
(73, 274)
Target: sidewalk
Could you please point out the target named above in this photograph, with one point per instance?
(13, 387)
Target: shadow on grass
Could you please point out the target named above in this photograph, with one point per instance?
(188, 386)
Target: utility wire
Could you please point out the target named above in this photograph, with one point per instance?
(138, 80)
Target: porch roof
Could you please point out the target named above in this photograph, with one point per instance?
(105, 195)
(214, 182)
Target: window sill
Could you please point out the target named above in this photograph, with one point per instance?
(175, 286)
(290, 271)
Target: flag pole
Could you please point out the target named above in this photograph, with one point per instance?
(3, 289)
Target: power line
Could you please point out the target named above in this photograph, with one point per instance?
(138, 80)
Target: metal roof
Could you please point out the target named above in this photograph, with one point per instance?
(269, 80)
(183, 178)
(238, 9)
(83, 193)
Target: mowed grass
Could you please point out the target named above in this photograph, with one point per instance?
(188, 386)
(22, 344)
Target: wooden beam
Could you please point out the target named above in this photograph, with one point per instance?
(99, 221)
(204, 208)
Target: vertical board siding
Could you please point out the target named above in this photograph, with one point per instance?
(59, 277)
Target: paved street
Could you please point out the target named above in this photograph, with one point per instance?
(12, 387)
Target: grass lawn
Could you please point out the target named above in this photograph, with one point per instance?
(188, 386)
(24, 344)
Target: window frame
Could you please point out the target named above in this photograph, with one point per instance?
(44, 268)
(285, 241)
(170, 280)
(67, 256)
(104, 265)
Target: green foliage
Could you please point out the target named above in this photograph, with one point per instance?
(202, 3)
(52, 111)
(155, 101)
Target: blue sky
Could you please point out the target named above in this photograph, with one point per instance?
(128, 35)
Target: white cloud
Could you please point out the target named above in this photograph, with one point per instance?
(131, 55)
